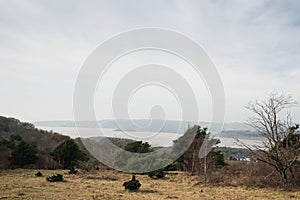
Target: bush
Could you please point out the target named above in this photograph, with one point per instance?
(73, 171)
(38, 174)
(157, 174)
(138, 147)
(243, 173)
(132, 185)
(55, 178)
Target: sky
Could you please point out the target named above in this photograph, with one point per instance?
(254, 44)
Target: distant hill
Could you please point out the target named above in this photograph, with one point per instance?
(13, 130)
(240, 133)
(230, 130)
(170, 126)
(44, 140)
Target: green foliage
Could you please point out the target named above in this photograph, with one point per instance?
(218, 158)
(191, 139)
(68, 154)
(192, 142)
(138, 147)
(292, 140)
(132, 185)
(8, 144)
(141, 162)
(127, 159)
(14, 137)
(23, 154)
(145, 163)
(13, 131)
(4, 124)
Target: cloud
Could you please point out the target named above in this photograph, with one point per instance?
(254, 44)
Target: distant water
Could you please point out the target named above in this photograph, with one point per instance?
(160, 139)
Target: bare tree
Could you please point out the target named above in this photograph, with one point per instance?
(282, 146)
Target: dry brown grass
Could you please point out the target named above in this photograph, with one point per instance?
(22, 184)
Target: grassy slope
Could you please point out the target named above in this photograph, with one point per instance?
(22, 184)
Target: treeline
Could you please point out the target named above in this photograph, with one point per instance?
(24, 146)
(182, 156)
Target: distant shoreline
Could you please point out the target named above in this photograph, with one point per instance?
(155, 139)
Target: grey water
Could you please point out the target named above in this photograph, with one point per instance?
(155, 139)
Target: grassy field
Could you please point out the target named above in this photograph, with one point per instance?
(22, 184)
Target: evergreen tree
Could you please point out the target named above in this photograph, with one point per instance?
(23, 154)
(68, 154)
(138, 147)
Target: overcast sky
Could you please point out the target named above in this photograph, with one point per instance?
(254, 44)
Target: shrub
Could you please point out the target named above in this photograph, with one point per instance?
(132, 185)
(55, 178)
(38, 174)
(73, 171)
(138, 147)
(157, 174)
